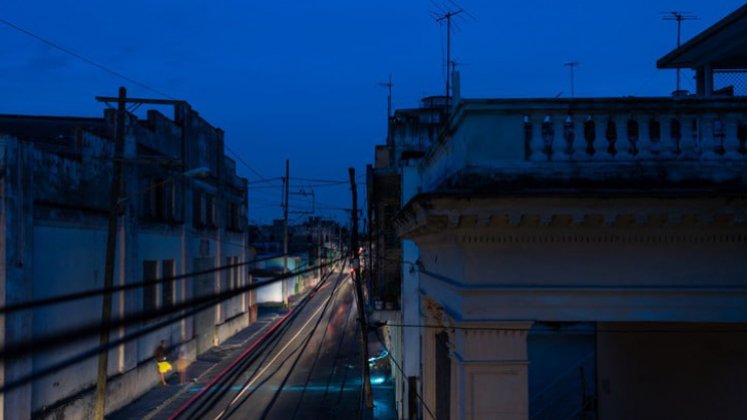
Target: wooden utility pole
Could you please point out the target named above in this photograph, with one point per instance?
(286, 182)
(111, 244)
(115, 201)
(359, 292)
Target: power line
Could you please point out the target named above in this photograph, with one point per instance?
(84, 59)
(54, 300)
(243, 162)
(14, 350)
(7, 386)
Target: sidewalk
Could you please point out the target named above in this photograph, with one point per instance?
(201, 371)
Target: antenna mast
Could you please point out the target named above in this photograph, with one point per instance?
(571, 66)
(447, 17)
(388, 85)
(679, 17)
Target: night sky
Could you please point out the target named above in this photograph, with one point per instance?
(298, 80)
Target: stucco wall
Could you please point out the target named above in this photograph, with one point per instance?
(688, 375)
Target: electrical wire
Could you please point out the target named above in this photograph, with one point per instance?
(54, 300)
(84, 59)
(64, 337)
(25, 379)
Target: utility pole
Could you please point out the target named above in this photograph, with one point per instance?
(115, 201)
(679, 17)
(117, 188)
(359, 293)
(447, 17)
(571, 66)
(286, 182)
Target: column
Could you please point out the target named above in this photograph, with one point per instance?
(536, 142)
(491, 369)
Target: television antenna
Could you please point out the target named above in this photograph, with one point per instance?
(679, 17)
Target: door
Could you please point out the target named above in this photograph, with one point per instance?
(443, 376)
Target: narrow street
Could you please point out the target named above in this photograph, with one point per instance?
(308, 368)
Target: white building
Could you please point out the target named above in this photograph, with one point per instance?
(582, 258)
(55, 175)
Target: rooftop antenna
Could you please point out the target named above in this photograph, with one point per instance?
(679, 17)
(388, 85)
(446, 16)
(571, 65)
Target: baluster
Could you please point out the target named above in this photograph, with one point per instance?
(623, 144)
(690, 137)
(709, 144)
(559, 142)
(646, 147)
(600, 138)
(731, 140)
(666, 143)
(579, 142)
(536, 143)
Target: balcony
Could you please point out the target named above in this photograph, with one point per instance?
(649, 139)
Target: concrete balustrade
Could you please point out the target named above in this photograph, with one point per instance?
(636, 133)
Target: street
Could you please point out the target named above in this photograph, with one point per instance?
(308, 368)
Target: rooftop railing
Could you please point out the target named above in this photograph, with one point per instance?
(642, 129)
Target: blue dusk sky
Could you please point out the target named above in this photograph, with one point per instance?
(298, 79)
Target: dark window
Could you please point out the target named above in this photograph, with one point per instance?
(150, 295)
(198, 212)
(168, 288)
(233, 217)
(159, 199)
(210, 210)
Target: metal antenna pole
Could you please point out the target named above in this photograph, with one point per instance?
(388, 85)
(679, 17)
(571, 65)
(447, 17)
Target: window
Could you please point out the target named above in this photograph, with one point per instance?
(150, 287)
(210, 210)
(204, 210)
(198, 211)
(159, 200)
(233, 217)
(168, 288)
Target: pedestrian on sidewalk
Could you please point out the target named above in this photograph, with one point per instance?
(181, 364)
(160, 355)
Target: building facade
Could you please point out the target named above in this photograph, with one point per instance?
(411, 132)
(55, 182)
(581, 258)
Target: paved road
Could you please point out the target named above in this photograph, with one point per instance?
(309, 369)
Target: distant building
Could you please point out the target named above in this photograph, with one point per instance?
(55, 178)
(412, 132)
(581, 258)
(313, 242)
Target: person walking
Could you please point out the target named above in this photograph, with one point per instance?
(160, 355)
